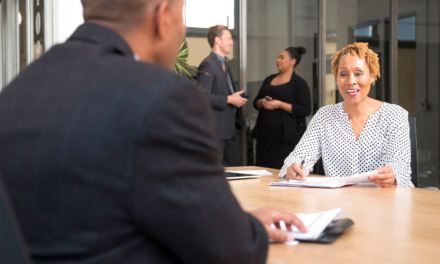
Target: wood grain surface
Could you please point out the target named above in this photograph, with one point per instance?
(392, 225)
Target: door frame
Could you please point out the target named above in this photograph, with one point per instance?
(9, 40)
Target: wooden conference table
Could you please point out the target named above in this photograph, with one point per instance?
(392, 225)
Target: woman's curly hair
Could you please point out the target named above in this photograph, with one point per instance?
(362, 51)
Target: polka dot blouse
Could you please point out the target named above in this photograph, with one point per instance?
(384, 141)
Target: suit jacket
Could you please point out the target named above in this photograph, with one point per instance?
(298, 95)
(110, 160)
(213, 82)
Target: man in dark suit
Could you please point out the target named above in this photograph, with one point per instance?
(216, 80)
(108, 159)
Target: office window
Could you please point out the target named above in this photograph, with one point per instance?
(363, 32)
(199, 15)
(407, 28)
(68, 15)
(205, 14)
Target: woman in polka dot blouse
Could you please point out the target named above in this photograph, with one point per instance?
(358, 135)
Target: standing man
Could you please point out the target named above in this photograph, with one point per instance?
(109, 157)
(215, 78)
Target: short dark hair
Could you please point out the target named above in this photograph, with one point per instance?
(296, 53)
(120, 11)
(215, 31)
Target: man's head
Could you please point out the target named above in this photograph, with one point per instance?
(153, 28)
(124, 12)
(220, 39)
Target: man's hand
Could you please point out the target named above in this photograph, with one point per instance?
(385, 178)
(295, 173)
(271, 215)
(236, 99)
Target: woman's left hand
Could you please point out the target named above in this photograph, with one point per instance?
(275, 104)
(385, 178)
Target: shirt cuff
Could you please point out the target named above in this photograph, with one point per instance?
(399, 168)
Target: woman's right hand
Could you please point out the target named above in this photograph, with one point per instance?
(295, 173)
(267, 105)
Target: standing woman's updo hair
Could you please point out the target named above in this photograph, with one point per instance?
(296, 53)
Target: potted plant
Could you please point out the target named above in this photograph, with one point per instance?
(181, 67)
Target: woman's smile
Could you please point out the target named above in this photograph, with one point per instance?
(353, 92)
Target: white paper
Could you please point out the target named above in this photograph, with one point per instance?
(326, 184)
(358, 178)
(315, 223)
(308, 179)
(254, 172)
(288, 243)
(329, 182)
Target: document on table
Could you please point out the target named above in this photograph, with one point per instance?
(315, 223)
(328, 182)
(254, 172)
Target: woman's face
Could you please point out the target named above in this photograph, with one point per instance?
(284, 63)
(354, 79)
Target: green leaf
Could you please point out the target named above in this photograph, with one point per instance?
(181, 66)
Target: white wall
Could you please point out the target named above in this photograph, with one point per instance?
(68, 15)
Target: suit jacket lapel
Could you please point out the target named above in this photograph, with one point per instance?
(220, 66)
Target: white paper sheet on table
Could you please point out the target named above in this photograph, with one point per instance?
(315, 223)
(254, 172)
(311, 184)
(330, 182)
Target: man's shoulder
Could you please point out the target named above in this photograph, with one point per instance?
(209, 60)
(96, 72)
(151, 73)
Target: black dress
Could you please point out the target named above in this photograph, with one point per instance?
(271, 150)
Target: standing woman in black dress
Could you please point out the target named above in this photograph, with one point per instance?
(283, 103)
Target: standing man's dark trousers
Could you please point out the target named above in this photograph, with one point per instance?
(231, 151)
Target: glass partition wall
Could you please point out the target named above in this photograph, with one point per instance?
(350, 21)
(418, 79)
(273, 26)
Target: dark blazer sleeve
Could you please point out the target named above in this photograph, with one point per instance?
(205, 78)
(184, 202)
(301, 105)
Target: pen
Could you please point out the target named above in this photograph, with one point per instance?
(285, 175)
(302, 164)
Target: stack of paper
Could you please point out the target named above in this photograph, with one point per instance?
(315, 223)
(333, 182)
(254, 172)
